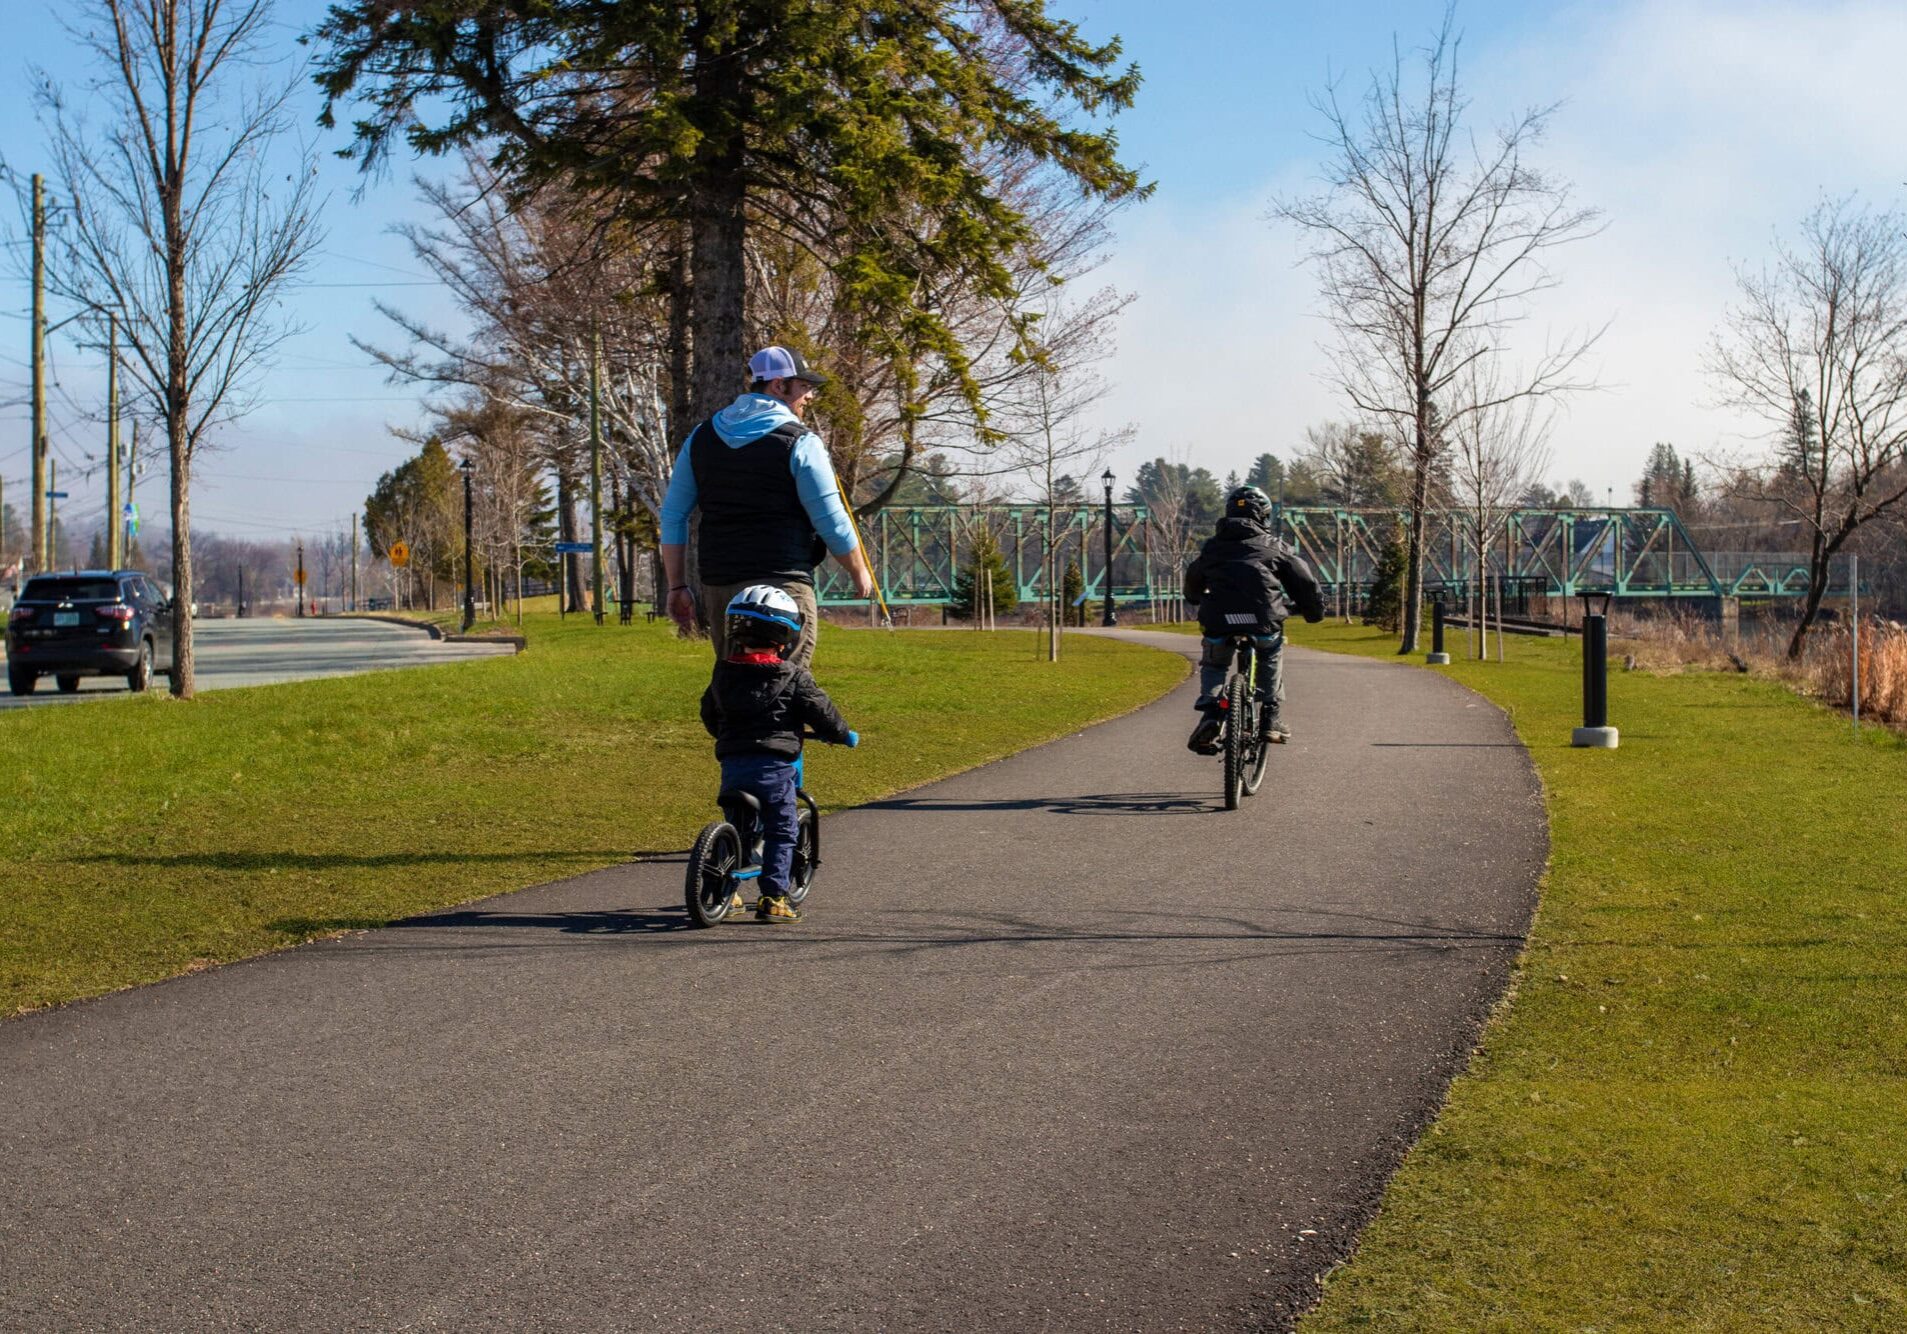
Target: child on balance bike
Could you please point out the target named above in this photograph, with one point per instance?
(757, 706)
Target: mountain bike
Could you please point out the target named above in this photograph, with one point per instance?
(727, 854)
(1245, 739)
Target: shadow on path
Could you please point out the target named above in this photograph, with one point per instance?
(324, 861)
(1098, 803)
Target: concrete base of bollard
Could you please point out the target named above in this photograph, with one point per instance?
(1596, 738)
(1437, 659)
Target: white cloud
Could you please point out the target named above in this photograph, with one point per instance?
(1699, 128)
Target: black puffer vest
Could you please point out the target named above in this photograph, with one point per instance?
(753, 525)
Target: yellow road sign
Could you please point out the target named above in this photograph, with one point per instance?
(299, 577)
(400, 554)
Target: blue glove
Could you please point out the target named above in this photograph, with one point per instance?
(854, 739)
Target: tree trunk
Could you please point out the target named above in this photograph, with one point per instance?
(1412, 610)
(681, 414)
(570, 574)
(717, 228)
(182, 655)
(1819, 558)
(179, 447)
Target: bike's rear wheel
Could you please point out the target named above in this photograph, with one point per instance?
(710, 882)
(1238, 741)
(1260, 753)
(807, 856)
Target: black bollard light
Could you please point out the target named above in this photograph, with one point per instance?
(1437, 657)
(1595, 733)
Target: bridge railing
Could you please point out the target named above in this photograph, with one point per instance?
(922, 553)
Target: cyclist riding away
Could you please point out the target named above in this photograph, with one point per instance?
(757, 706)
(1246, 582)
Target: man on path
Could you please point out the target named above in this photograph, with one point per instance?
(771, 508)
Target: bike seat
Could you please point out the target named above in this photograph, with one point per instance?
(736, 797)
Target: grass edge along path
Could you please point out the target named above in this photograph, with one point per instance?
(149, 837)
(1689, 1110)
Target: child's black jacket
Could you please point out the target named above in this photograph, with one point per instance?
(761, 708)
(1244, 577)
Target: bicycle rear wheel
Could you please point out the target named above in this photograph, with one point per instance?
(711, 882)
(1260, 752)
(1237, 740)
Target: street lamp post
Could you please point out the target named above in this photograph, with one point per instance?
(1110, 618)
(299, 582)
(468, 467)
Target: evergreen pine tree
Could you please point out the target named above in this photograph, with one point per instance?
(1072, 589)
(1268, 475)
(984, 555)
(1385, 606)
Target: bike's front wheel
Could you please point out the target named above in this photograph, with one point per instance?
(1238, 740)
(710, 882)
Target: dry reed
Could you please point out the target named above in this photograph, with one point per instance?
(1684, 642)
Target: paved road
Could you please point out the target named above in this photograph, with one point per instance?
(1062, 1045)
(265, 652)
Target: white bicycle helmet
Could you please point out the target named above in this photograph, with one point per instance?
(764, 617)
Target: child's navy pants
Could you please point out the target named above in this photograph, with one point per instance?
(771, 780)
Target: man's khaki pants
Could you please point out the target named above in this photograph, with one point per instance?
(715, 600)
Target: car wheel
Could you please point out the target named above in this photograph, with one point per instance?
(21, 683)
(141, 675)
(69, 684)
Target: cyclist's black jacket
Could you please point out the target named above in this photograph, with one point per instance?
(1245, 578)
(762, 707)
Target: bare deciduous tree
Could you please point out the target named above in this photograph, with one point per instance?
(1817, 350)
(1430, 245)
(1045, 439)
(177, 223)
(1497, 452)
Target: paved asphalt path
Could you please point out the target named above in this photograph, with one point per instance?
(267, 651)
(1061, 1045)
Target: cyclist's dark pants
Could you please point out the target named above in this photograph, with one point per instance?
(1217, 659)
(771, 780)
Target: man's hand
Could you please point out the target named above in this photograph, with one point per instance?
(682, 609)
(863, 581)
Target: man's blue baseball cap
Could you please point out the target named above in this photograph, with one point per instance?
(782, 363)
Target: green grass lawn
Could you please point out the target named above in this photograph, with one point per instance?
(1692, 1115)
(145, 837)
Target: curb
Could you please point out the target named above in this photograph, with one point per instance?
(433, 631)
(518, 641)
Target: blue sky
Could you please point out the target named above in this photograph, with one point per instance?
(1699, 127)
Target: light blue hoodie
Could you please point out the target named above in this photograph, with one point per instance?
(742, 422)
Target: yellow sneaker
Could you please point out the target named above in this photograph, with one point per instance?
(736, 905)
(775, 908)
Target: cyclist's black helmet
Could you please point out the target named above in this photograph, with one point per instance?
(1248, 502)
(763, 617)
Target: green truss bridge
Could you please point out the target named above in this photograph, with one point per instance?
(918, 553)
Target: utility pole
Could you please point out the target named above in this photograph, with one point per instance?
(41, 523)
(115, 546)
(131, 525)
(300, 581)
(51, 549)
(596, 465)
(354, 560)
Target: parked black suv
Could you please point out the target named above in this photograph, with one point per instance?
(88, 623)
